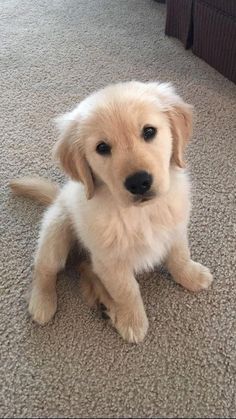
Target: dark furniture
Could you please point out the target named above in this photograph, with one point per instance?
(209, 27)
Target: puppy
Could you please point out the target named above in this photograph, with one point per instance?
(127, 203)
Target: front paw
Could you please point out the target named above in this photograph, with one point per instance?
(195, 277)
(42, 305)
(132, 324)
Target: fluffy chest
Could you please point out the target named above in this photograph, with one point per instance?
(143, 238)
(141, 235)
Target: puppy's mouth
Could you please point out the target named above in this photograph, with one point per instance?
(143, 199)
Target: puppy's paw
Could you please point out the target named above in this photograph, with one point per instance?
(196, 277)
(132, 325)
(42, 305)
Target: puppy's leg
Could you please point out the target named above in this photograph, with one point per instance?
(190, 274)
(92, 288)
(53, 247)
(127, 311)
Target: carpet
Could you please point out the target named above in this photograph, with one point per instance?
(54, 53)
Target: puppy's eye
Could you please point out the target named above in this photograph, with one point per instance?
(103, 148)
(149, 133)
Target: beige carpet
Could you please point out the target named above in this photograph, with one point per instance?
(53, 53)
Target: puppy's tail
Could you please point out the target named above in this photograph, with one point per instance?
(39, 189)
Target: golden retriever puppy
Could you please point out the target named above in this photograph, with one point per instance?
(127, 203)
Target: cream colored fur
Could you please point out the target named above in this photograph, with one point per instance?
(123, 236)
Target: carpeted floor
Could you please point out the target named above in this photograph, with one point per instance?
(53, 53)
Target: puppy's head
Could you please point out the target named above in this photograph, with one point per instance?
(126, 136)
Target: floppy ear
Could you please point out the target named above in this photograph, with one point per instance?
(180, 117)
(69, 152)
(181, 127)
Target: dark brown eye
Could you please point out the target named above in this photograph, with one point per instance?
(103, 149)
(149, 133)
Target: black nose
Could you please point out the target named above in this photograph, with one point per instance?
(138, 183)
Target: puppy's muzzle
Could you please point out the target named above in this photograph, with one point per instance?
(139, 183)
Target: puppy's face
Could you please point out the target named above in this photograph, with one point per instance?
(123, 137)
(128, 147)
